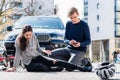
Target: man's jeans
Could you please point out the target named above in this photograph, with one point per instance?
(65, 54)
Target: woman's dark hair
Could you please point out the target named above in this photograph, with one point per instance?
(22, 39)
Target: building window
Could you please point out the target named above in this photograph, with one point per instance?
(85, 13)
(117, 30)
(86, 19)
(86, 10)
(117, 5)
(98, 29)
(117, 43)
(98, 17)
(98, 6)
(85, 2)
(117, 17)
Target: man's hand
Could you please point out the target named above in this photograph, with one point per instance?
(74, 43)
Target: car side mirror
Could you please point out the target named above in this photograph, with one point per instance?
(9, 28)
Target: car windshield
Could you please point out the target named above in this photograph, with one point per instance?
(40, 22)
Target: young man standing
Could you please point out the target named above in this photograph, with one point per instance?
(77, 36)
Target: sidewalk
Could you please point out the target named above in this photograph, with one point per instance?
(76, 75)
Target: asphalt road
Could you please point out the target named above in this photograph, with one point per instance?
(76, 75)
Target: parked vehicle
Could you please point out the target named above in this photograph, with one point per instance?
(48, 29)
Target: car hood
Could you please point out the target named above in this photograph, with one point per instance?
(48, 31)
(40, 31)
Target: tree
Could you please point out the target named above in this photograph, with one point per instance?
(4, 10)
(39, 7)
(30, 9)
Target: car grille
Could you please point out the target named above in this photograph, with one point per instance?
(43, 37)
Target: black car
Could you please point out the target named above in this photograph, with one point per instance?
(49, 31)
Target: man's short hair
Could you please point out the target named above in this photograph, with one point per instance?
(72, 10)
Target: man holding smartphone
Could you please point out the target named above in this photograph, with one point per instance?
(77, 36)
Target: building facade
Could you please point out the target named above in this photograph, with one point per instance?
(103, 17)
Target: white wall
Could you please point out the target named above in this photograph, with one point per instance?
(106, 19)
(64, 5)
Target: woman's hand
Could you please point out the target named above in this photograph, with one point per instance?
(48, 52)
(11, 69)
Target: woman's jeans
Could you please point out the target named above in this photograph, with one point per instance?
(46, 64)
